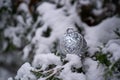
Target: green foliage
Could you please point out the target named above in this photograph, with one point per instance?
(4, 9)
(111, 68)
(10, 47)
(102, 58)
(37, 74)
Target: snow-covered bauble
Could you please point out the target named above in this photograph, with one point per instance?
(72, 43)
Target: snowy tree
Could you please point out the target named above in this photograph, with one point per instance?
(37, 43)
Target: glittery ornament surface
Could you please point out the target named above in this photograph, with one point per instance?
(72, 43)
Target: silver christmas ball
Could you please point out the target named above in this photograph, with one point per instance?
(72, 43)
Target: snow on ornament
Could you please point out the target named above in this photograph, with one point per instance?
(72, 43)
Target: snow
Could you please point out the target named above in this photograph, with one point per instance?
(113, 46)
(24, 72)
(23, 22)
(44, 60)
(98, 12)
(73, 61)
(99, 4)
(5, 3)
(26, 51)
(11, 32)
(68, 75)
(23, 7)
(56, 20)
(4, 73)
(53, 18)
(20, 19)
(45, 7)
(42, 79)
(94, 70)
(10, 78)
(84, 2)
(42, 48)
(96, 36)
